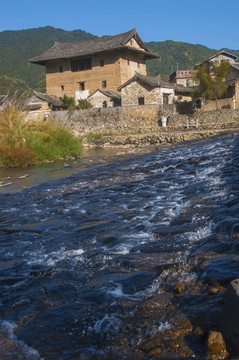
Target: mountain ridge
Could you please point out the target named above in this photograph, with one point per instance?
(18, 46)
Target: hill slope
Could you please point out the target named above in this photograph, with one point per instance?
(16, 47)
(178, 55)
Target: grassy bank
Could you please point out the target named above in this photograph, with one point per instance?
(26, 143)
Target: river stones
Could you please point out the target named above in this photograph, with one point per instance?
(230, 316)
(216, 346)
(220, 270)
(230, 225)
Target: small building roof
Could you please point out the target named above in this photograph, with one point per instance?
(156, 81)
(38, 98)
(51, 99)
(181, 89)
(226, 53)
(151, 81)
(87, 48)
(109, 94)
(233, 75)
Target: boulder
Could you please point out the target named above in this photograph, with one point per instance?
(216, 346)
(230, 316)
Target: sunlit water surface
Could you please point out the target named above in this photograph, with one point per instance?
(91, 253)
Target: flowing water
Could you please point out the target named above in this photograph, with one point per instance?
(119, 258)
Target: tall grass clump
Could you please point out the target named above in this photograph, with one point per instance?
(26, 143)
(13, 148)
(50, 141)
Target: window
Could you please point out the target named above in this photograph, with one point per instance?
(102, 63)
(165, 99)
(62, 87)
(141, 100)
(104, 84)
(61, 69)
(81, 64)
(104, 104)
(189, 82)
(82, 85)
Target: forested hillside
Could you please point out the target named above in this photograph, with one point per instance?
(16, 47)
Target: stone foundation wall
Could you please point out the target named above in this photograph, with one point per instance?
(109, 120)
(211, 104)
(133, 119)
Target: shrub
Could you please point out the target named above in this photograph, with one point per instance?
(69, 103)
(11, 126)
(23, 143)
(84, 104)
(15, 156)
(227, 106)
(50, 141)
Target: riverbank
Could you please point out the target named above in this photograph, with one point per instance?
(151, 140)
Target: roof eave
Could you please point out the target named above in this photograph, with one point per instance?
(147, 55)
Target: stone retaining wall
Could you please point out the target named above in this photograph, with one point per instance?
(131, 119)
(212, 105)
(153, 140)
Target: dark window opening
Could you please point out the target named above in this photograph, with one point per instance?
(61, 69)
(81, 64)
(165, 99)
(141, 100)
(198, 104)
(104, 84)
(82, 85)
(62, 87)
(102, 63)
(104, 104)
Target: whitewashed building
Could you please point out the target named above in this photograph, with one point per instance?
(102, 99)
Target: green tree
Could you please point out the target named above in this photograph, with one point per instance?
(69, 103)
(84, 104)
(212, 83)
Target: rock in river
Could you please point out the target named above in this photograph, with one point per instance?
(230, 316)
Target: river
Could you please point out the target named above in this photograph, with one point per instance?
(119, 257)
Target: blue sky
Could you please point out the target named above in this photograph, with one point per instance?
(211, 23)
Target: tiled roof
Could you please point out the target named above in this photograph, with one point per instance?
(51, 99)
(38, 98)
(156, 81)
(110, 94)
(226, 53)
(232, 56)
(184, 89)
(86, 48)
(233, 75)
(152, 81)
